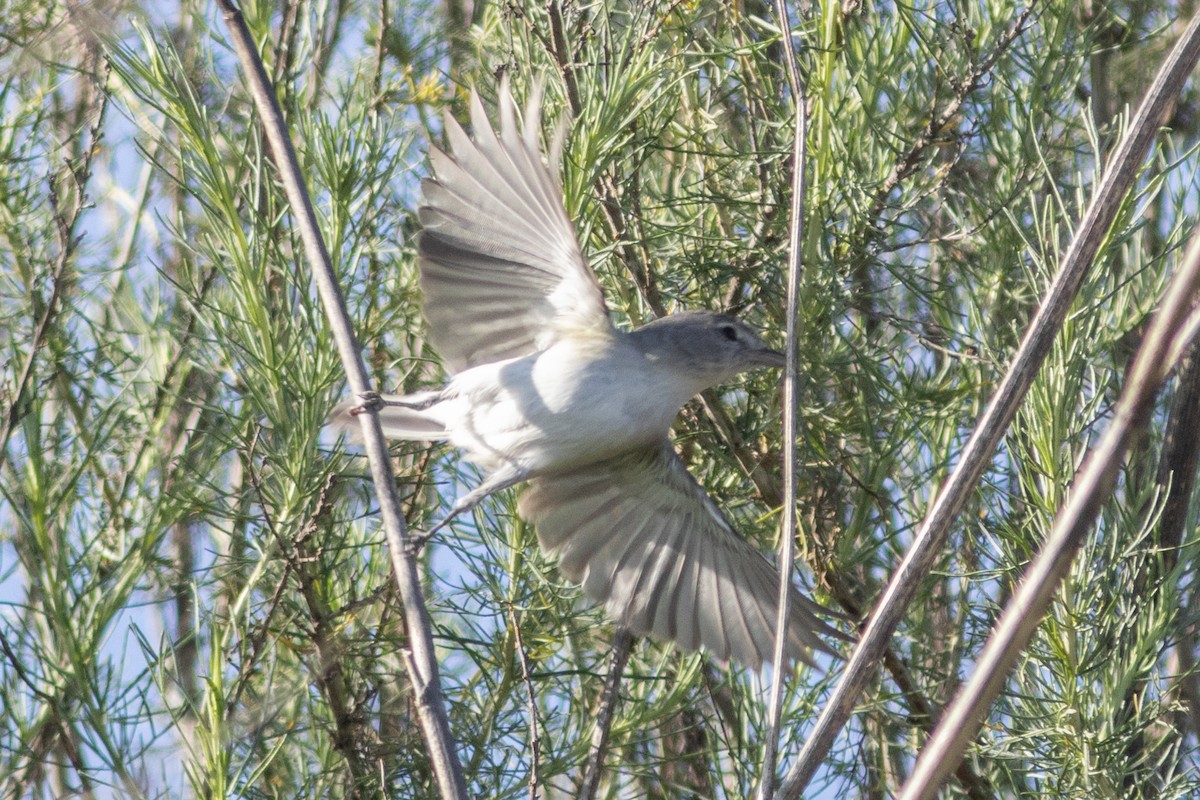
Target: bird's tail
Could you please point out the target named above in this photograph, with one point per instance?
(413, 419)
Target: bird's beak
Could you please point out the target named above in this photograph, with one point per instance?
(769, 358)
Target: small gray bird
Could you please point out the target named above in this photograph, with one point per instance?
(544, 389)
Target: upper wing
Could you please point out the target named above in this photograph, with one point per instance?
(643, 537)
(501, 269)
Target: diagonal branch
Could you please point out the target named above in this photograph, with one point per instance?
(931, 536)
(423, 668)
(622, 647)
(535, 742)
(1092, 486)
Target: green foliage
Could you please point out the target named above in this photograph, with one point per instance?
(196, 597)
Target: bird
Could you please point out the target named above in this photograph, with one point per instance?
(543, 389)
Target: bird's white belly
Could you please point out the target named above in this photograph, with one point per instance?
(564, 406)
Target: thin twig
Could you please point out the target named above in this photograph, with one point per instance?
(423, 669)
(1175, 480)
(380, 55)
(535, 742)
(787, 524)
(931, 137)
(622, 645)
(248, 666)
(350, 734)
(65, 226)
(54, 732)
(17, 398)
(977, 455)
(1180, 453)
(941, 118)
(1092, 486)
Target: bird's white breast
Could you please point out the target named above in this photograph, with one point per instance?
(577, 402)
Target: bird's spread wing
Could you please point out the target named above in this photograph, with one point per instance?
(643, 538)
(501, 268)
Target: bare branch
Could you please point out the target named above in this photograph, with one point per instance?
(931, 536)
(787, 522)
(622, 645)
(424, 670)
(535, 743)
(1093, 484)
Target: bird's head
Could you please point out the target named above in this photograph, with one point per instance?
(705, 346)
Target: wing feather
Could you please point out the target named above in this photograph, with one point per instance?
(652, 592)
(495, 235)
(672, 591)
(713, 630)
(649, 544)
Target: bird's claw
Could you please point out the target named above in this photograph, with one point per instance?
(416, 541)
(368, 401)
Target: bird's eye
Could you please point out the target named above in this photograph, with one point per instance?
(729, 332)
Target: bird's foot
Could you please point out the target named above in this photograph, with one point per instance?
(367, 401)
(418, 539)
(373, 401)
(416, 542)
(501, 479)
